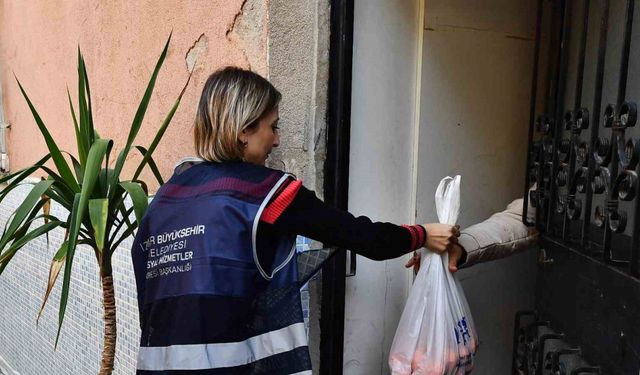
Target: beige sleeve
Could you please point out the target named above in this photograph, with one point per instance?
(499, 236)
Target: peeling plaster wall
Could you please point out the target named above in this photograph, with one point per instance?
(121, 42)
(249, 33)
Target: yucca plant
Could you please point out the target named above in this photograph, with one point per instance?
(94, 193)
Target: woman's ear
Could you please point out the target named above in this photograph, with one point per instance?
(243, 139)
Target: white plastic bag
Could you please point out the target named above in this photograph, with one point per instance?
(436, 334)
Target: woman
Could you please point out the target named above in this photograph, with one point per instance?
(214, 256)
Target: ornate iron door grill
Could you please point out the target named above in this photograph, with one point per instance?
(582, 177)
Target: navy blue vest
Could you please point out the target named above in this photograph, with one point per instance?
(212, 298)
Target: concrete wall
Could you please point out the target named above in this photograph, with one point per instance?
(474, 107)
(476, 82)
(298, 58)
(382, 123)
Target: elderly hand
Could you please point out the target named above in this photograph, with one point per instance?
(454, 256)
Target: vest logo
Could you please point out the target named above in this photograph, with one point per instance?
(172, 236)
(169, 258)
(168, 253)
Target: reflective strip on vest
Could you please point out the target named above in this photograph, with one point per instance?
(219, 355)
(254, 233)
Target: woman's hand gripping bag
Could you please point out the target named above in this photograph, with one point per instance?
(436, 334)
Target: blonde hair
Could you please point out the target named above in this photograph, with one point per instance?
(232, 100)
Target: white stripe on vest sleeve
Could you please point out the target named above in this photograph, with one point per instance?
(254, 232)
(219, 355)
